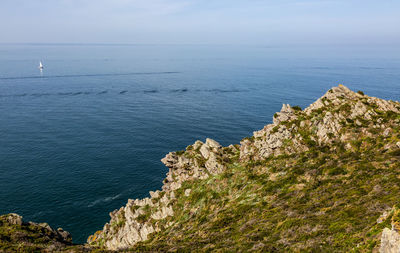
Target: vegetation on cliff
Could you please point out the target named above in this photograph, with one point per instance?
(19, 236)
(314, 180)
(322, 179)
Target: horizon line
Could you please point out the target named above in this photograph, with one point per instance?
(188, 44)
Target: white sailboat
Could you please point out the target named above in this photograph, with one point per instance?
(40, 65)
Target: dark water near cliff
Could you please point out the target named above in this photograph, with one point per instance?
(88, 133)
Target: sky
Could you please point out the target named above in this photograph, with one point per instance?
(261, 22)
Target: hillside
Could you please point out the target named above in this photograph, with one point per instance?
(322, 179)
(19, 236)
(326, 178)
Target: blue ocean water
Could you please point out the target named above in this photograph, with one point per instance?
(86, 134)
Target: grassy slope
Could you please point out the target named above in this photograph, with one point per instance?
(32, 237)
(326, 199)
(27, 238)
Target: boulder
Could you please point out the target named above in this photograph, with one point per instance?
(390, 241)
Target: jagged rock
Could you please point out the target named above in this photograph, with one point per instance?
(270, 140)
(292, 130)
(197, 145)
(126, 229)
(14, 219)
(43, 225)
(385, 214)
(213, 165)
(164, 212)
(205, 151)
(286, 114)
(326, 127)
(210, 146)
(182, 168)
(334, 96)
(390, 241)
(212, 143)
(66, 236)
(155, 194)
(233, 148)
(329, 124)
(19, 236)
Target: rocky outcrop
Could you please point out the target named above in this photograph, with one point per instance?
(390, 239)
(21, 236)
(299, 184)
(325, 118)
(59, 235)
(293, 130)
(140, 217)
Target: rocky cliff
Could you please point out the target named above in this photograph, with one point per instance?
(390, 239)
(315, 179)
(19, 236)
(140, 217)
(322, 179)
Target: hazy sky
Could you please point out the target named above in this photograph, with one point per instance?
(267, 22)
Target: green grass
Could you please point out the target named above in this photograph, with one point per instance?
(31, 238)
(327, 197)
(309, 196)
(296, 108)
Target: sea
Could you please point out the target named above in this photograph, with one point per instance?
(85, 134)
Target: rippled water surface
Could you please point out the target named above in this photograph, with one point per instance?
(86, 134)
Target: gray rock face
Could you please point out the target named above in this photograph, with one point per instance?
(390, 238)
(204, 158)
(272, 138)
(31, 233)
(14, 219)
(289, 132)
(286, 114)
(390, 241)
(66, 236)
(139, 218)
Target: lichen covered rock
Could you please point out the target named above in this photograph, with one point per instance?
(314, 180)
(17, 235)
(390, 241)
(140, 217)
(321, 123)
(390, 238)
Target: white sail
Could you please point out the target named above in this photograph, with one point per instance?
(40, 65)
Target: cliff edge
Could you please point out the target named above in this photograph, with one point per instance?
(322, 179)
(314, 180)
(19, 236)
